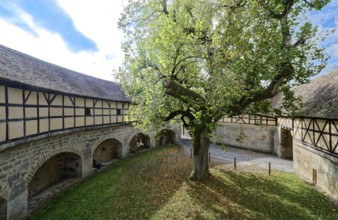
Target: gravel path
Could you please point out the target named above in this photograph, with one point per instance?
(244, 157)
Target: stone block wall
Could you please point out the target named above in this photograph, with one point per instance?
(251, 137)
(61, 166)
(108, 150)
(20, 161)
(307, 158)
(3, 209)
(19, 164)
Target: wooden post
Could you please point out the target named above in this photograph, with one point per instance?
(314, 176)
(209, 157)
(269, 169)
(191, 152)
(235, 163)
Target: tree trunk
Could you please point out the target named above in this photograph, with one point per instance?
(200, 155)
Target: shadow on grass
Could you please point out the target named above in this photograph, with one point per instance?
(134, 188)
(154, 185)
(251, 196)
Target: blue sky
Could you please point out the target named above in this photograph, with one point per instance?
(327, 20)
(82, 34)
(52, 18)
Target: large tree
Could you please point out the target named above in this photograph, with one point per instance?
(200, 60)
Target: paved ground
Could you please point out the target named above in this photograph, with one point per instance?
(244, 157)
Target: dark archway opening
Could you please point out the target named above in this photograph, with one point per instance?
(3, 209)
(58, 168)
(57, 173)
(166, 137)
(138, 142)
(286, 144)
(106, 152)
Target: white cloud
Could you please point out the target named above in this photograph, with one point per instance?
(96, 20)
(326, 20)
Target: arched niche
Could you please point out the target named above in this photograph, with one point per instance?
(107, 150)
(3, 209)
(138, 142)
(166, 137)
(286, 144)
(56, 169)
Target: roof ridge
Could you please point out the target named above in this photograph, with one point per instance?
(23, 68)
(49, 63)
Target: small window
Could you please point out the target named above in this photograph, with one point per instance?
(87, 112)
(118, 111)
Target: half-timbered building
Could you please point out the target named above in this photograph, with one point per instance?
(58, 126)
(37, 97)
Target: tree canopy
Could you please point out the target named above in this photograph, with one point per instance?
(200, 60)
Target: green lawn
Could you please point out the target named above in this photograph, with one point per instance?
(154, 185)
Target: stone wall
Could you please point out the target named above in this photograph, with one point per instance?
(107, 150)
(19, 162)
(139, 142)
(61, 166)
(3, 209)
(252, 137)
(307, 158)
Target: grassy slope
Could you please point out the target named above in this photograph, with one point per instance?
(154, 185)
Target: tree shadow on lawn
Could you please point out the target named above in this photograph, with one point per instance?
(155, 185)
(257, 196)
(133, 188)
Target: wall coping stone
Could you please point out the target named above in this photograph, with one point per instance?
(310, 148)
(12, 144)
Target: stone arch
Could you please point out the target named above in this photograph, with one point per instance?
(166, 136)
(53, 169)
(3, 208)
(139, 141)
(107, 150)
(95, 144)
(43, 158)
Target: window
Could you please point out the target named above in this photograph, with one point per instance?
(118, 111)
(87, 112)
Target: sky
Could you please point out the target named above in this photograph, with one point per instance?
(82, 35)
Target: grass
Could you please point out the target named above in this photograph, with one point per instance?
(154, 185)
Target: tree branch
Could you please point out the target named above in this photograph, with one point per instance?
(300, 41)
(183, 113)
(185, 124)
(181, 61)
(175, 89)
(287, 7)
(165, 7)
(263, 94)
(235, 6)
(191, 15)
(309, 3)
(175, 59)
